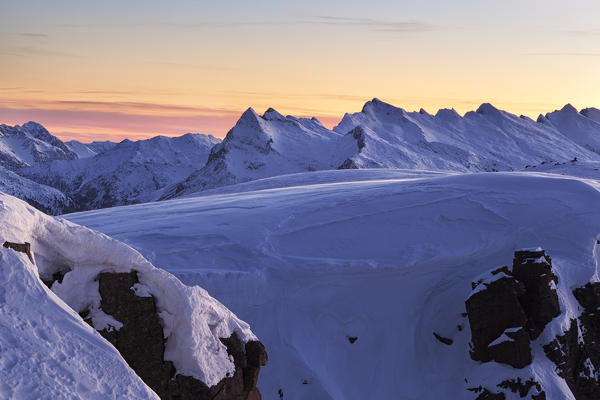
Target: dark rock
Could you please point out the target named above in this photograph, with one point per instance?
(140, 341)
(516, 303)
(518, 386)
(514, 352)
(442, 339)
(576, 357)
(56, 276)
(539, 301)
(491, 311)
(348, 164)
(487, 395)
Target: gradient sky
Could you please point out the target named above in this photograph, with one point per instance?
(96, 70)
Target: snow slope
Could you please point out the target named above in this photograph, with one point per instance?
(43, 197)
(388, 260)
(128, 172)
(193, 321)
(47, 351)
(85, 150)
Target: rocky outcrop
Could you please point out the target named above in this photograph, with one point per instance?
(140, 341)
(509, 308)
(576, 353)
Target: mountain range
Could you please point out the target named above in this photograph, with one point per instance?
(75, 176)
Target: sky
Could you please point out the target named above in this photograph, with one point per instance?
(108, 70)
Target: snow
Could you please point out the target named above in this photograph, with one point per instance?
(127, 172)
(44, 197)
(501, 339)
(384, 136)
(47, 351)
(388, 259)
(193, 320)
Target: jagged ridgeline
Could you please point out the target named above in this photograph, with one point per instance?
(58, 177)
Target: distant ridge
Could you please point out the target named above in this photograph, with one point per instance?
(106, 174)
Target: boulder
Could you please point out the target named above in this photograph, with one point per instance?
(510, 307)
(141, 343)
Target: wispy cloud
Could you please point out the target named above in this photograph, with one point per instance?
(584, 32)
(400, 26)
(119, 107)
(377, 25)
(30, 51)
(564, 54)
(33, 35)
(177, 64)
(82, 124)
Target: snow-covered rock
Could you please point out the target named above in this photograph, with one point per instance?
(43, 338)
(384, 261)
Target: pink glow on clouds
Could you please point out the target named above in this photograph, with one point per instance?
(90, 125)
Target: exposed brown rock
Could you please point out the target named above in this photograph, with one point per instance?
(140, 341)
(21, 248)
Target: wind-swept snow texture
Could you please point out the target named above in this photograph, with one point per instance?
(43, 339)
(346, 282)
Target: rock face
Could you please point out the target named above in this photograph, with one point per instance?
(140, 341)
(577, 352)
(509, 308)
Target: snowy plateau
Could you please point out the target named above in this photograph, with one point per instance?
(399, 255)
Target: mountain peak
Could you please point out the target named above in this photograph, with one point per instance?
(376, 105)
(249, 113)
(569, 108)
(487, 108)
(591, 113)
(272, 114)
(447, 114)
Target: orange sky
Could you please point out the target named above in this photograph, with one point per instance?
(110, 70)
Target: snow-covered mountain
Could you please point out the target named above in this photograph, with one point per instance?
(268, 145)
(346, 277)
(30, 144)
(174, 340)
(42, 197)
(384, 136)
(484, 140)
(84, 150)
(105, 174)
(125, 173)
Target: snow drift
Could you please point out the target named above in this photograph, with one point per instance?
(346, 282)
(192, 320)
